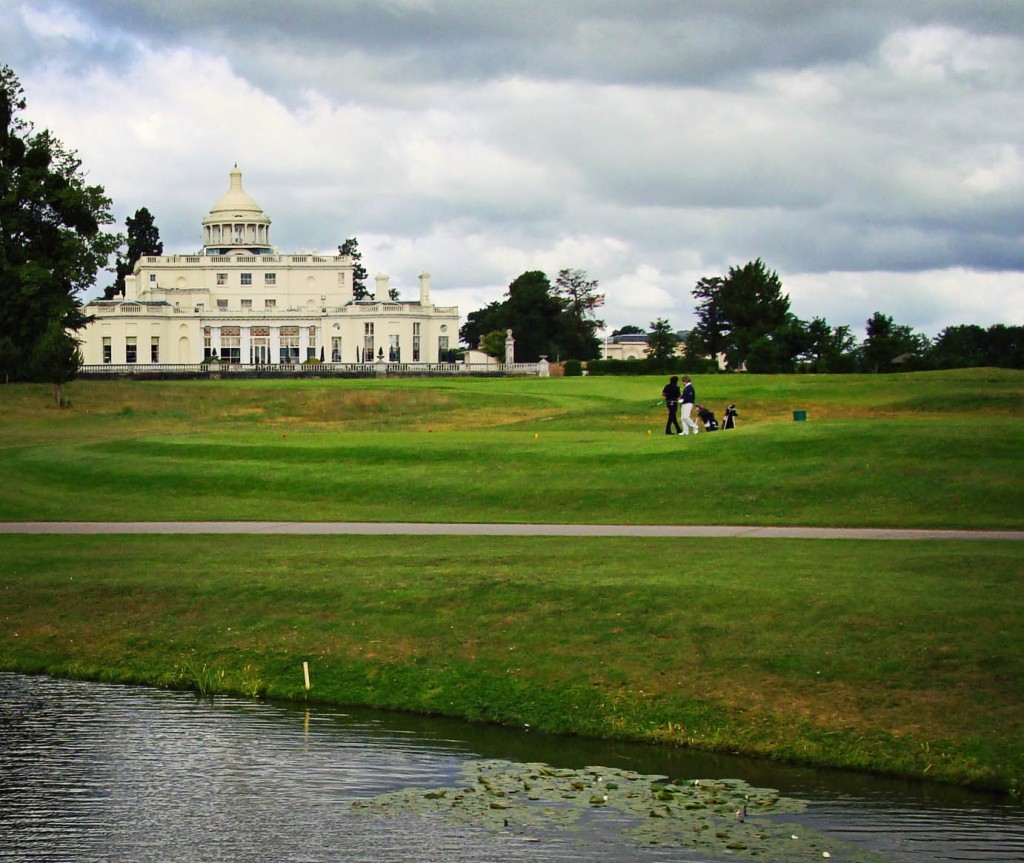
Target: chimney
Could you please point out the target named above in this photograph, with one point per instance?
(424, 289)
(382, 288)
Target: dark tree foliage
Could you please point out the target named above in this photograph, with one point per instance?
(707, 337)
(481, 322)
(752, 307)
(889, 346)
(493, 344)
(553, 321)
(51, 238)
(661, 343)
(628, 330)
(959, 347)
(581, 298)
(971, 346)
(776, 351)
(828, 348)
(56, 359)
(351, 248)
(143, 239)
(535, 316)
(8, 358)
(1004, 346)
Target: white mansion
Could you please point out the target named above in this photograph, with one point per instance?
(242, 302)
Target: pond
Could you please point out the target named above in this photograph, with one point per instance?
(96, 772)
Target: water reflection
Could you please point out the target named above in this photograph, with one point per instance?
(110, 773)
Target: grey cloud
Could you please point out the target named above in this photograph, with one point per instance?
(658, 42)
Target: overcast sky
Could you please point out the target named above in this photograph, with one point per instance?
(870, 152)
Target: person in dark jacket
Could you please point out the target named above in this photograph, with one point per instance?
(730, 417)
(707, 417)
(688, 398)
(671, 395)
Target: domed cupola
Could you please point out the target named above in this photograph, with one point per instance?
(236, 225)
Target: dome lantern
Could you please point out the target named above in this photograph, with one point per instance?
(236, 225)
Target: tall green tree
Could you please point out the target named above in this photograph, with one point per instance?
(661, 343)
(888, 342)
(752, 307)
(828, 348)
(56, 359)
(351, 248)
(707, 338)
(481, 322)
(52, 241)
(534, 314)
(581, 298)
(536, 317)
(143, 239)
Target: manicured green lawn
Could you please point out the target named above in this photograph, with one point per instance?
(561, 450)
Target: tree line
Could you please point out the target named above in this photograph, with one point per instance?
(743, 322)
(745, 318)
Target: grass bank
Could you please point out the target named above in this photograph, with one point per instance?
(901, 658)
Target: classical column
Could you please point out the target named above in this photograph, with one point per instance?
(275, 344)
(245, 345)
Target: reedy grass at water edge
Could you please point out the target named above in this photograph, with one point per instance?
(902, 658)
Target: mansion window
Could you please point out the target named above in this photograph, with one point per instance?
(311, 345)
(289, 344)
(259, 345)
(154, 349)
(246, 278)
(394, 349)
(416, 342)
(270, 278)
(246, 305)
(367, 343)
(222, 305)
(152, 278)
(336, 349)
(230, 345)
(442, 349)
(207, 343)
(130, 349)
(270, 304)
(107, 350)
(222, 278)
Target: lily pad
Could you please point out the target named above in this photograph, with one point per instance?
(716, 817)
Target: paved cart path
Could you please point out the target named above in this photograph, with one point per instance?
(469, 529)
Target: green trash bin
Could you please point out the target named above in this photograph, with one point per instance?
(799, 416)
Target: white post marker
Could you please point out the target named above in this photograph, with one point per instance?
(305, 672)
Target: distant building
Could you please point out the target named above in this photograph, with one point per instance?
(243, 302)
(633, 346)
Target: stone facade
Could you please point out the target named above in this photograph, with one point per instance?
(241, 301)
